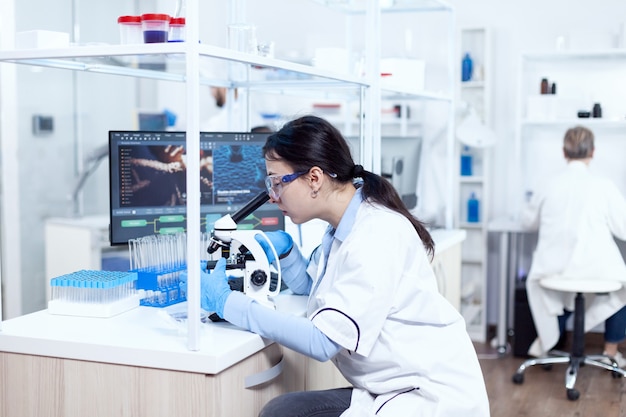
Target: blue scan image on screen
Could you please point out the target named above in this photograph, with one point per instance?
(146, 199)
(238, 174)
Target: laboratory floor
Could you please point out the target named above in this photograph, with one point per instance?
(543, 392)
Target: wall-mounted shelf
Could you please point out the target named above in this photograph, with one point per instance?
(582, 79)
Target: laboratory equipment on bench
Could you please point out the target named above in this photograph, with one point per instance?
(88, 293)
(243, 251)
(158, 261)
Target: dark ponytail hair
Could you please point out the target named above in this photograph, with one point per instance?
(312, 141)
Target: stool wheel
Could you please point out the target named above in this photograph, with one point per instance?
(572, 394)
(547, 367)
(616, 375)
(518, 378)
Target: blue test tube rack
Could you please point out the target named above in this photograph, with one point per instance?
(93, 293)
(160, 286)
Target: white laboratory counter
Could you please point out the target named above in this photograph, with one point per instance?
(447, 238)
(144, 336)
(138, 363)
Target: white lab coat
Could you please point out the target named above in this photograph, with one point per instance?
(406, 349)
(577, 214)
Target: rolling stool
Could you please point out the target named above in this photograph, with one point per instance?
(577, 357)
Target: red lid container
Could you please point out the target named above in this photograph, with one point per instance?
(155, 16)
(177, 21)
(129, 20)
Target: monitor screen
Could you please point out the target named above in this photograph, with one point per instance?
(400, 163)
(148, 182)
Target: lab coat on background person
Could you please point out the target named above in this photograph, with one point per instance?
(577, 214)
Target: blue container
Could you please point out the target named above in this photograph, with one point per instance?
(467, 68)
(466, 162)
(473, 207)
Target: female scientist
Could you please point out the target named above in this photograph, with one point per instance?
(373, 308)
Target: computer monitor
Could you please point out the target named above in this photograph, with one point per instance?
(148, 182)
(400, 163)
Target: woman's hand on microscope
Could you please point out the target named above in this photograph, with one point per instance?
(282, 242)
(214, 288)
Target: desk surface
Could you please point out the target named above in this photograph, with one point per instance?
(144, 336)
(446, 238)
(149, 337)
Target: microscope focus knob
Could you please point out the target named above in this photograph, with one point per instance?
(258, 278)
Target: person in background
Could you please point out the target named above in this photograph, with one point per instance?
(229, 117)
(374, 309)
(578, 214)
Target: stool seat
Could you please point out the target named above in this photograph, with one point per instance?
(587, 286)
(576, 358)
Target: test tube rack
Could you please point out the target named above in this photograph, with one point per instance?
(88, 293)
(160, 287)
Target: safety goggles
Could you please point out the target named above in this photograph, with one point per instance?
(275, 183)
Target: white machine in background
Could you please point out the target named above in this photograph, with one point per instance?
(75, 243)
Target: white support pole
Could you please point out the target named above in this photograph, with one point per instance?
(452, 53)
(10, 253)
(193, 176)
(373, 100)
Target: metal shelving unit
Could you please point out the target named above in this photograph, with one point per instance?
(476, 95)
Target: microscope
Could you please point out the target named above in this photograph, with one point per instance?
(243, 252)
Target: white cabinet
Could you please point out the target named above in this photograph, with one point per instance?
(96, 388)
(72, 244)
(447, 268)
(582, 79)
(473, 154)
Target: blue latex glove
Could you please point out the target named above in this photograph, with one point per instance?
(281, 241)
(214, 288)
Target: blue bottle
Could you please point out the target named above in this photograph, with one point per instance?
(467, 67)
(473, 209)
(466, 162)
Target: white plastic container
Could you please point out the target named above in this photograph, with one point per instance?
(177, 30)
(130, 29)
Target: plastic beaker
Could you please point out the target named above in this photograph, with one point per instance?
(155, 27)
(130, 29)
(177, 29)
